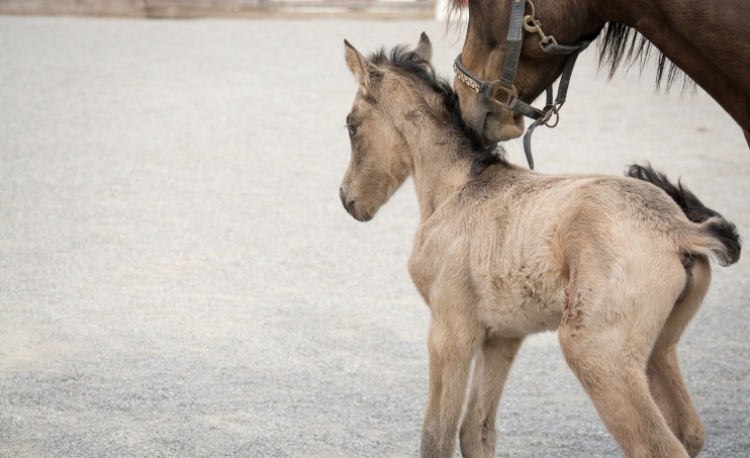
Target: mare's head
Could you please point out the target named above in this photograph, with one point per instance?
(569, 21)
(389, 89)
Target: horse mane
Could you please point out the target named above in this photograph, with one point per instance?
(620, 44)
(623, 44)
(408, 61)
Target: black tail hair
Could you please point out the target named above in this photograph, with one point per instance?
(722, 230)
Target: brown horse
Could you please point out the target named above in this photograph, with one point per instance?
(618, 265)
(708, 40)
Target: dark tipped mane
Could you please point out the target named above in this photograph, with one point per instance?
(412, 63)
(618, 44)
(623, 44)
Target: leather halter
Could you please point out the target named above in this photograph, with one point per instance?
(503, 92)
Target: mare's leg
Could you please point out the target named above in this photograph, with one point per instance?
(665, 379)
(452, 342)
(607, 332)
(491, 367)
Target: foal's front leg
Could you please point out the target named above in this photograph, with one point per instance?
(491, 367)
(452, 342)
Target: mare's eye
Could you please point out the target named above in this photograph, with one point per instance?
(352, 129)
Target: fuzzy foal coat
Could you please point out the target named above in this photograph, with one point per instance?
(502, 252)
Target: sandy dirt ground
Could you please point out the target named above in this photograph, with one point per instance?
(179, 279)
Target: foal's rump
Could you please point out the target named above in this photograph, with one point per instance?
(604, 225)
(711, 234)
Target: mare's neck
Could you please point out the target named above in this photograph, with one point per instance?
(704, 39)
(440, 168)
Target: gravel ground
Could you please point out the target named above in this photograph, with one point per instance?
(178, 277)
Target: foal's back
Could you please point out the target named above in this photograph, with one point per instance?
(519, 210)
(515, 239)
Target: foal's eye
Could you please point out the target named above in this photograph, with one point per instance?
(352, 129)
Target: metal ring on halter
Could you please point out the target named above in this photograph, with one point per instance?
(555, 110)
(533, 10)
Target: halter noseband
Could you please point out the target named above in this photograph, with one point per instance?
(503, 92)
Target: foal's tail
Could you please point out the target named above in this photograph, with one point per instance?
(723, 239)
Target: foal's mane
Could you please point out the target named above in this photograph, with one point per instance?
(409, 63)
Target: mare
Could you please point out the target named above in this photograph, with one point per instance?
(618, 265)
(708, 41)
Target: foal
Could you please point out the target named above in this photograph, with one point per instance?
(503, 252)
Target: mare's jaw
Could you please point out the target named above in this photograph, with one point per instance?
(499, 127)
(493, 122)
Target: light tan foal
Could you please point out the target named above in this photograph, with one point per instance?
(613, 263)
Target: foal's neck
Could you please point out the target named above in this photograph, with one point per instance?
(440, 165)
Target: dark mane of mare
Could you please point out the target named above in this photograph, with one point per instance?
(618, 43)
(410, 62)
(621, 43)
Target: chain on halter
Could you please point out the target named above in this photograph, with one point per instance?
(503, 92)
(532, 25)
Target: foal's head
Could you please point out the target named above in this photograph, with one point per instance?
(389, 90)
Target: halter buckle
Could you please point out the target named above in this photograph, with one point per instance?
(545, 41)
(503, 95)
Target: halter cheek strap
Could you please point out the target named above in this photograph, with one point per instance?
(503, 92)
(515, 42)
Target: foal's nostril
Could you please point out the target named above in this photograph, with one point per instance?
(350, 206)
(348, 203)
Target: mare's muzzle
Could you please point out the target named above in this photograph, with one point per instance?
(503, 92)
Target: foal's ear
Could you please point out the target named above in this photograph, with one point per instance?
(424, 48)
(358, 65)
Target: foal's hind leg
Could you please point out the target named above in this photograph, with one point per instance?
(606, 334)
(491, 366)
(665, 379)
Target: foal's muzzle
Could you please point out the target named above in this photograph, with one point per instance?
(350, 204)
